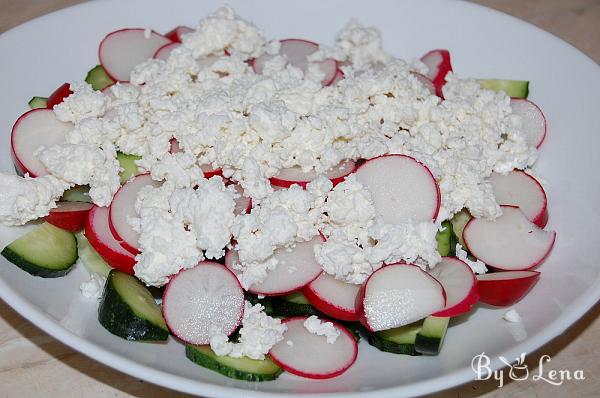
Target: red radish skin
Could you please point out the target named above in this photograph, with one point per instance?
(520, 189)
(339, 75)
(297, 51)
(59, 95)
(438, 303)
(295, 176)
(438, 62)
(460, 286)
(33, 129)
(196, 298)
(533, 119)
(502, 289)
(69, 215)
(120, 51)
(296, 269)
(510, 243)
(332, 297)
(97, 232)
(175, 34)
(164, 52)
(209, 171)
(393, 201)
(315, 349)
(122, 206)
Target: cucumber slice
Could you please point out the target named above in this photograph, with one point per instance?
(512, 88)
(294, 304)
(128, 167)
(38, 102)
(235, 368)
(98, 78)
(458, 222)
(93, 263)
(431, 337)
(446, 240)
(47, 251)
(77, 194)
(128, 310)
(398, 340)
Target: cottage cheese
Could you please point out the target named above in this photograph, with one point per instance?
(23, 199)
(85, 102)
(512, 316)
(93, 288)
(477, 266)
(259, 333)
(322, 328)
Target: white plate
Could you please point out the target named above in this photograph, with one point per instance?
(41, 54)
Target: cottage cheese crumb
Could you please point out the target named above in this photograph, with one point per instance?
(477, 266)
(322, 328)
(512, 316)
(259, 333)
(85, 102)
(24, 199)
(92, 288)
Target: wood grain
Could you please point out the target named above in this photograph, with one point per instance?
(33, 364)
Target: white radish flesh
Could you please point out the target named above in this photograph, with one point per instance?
(520, 189)
(333, 297)
(397, 295)
(199, 299)
(296, 268)
(402, 188)
(532, 119)
(425, 81)
(243, 204)
(511, 242)
(297, 51)
(123, 207)
(35, 128)
(122, 50)
(459, 283)
(310, 355)
(294, 175)
(164, 52)
(97, 231)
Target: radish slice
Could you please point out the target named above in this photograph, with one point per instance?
(438, 62)
(164, 52)
(121, 50)
(209, 171)
(532, 119)
(511, 242)
(123, 207)
(69, 215)
(59, 95)
(333, 297)
(459, 283)
(402, 188)
(35, 128)
(175, 34)
(397, 295)
(310, 355)
(505, 288)
(97, 232)
(243, 205)
(297, 52)
(339, 75)
(201, 298)
(520, 189)
(294, 175)
(426, 82)
(296, 268)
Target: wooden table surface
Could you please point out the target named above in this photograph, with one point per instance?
(33, 364)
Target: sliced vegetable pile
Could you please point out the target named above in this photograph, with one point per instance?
(298, 288)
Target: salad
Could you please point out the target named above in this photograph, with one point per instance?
(270, 203)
